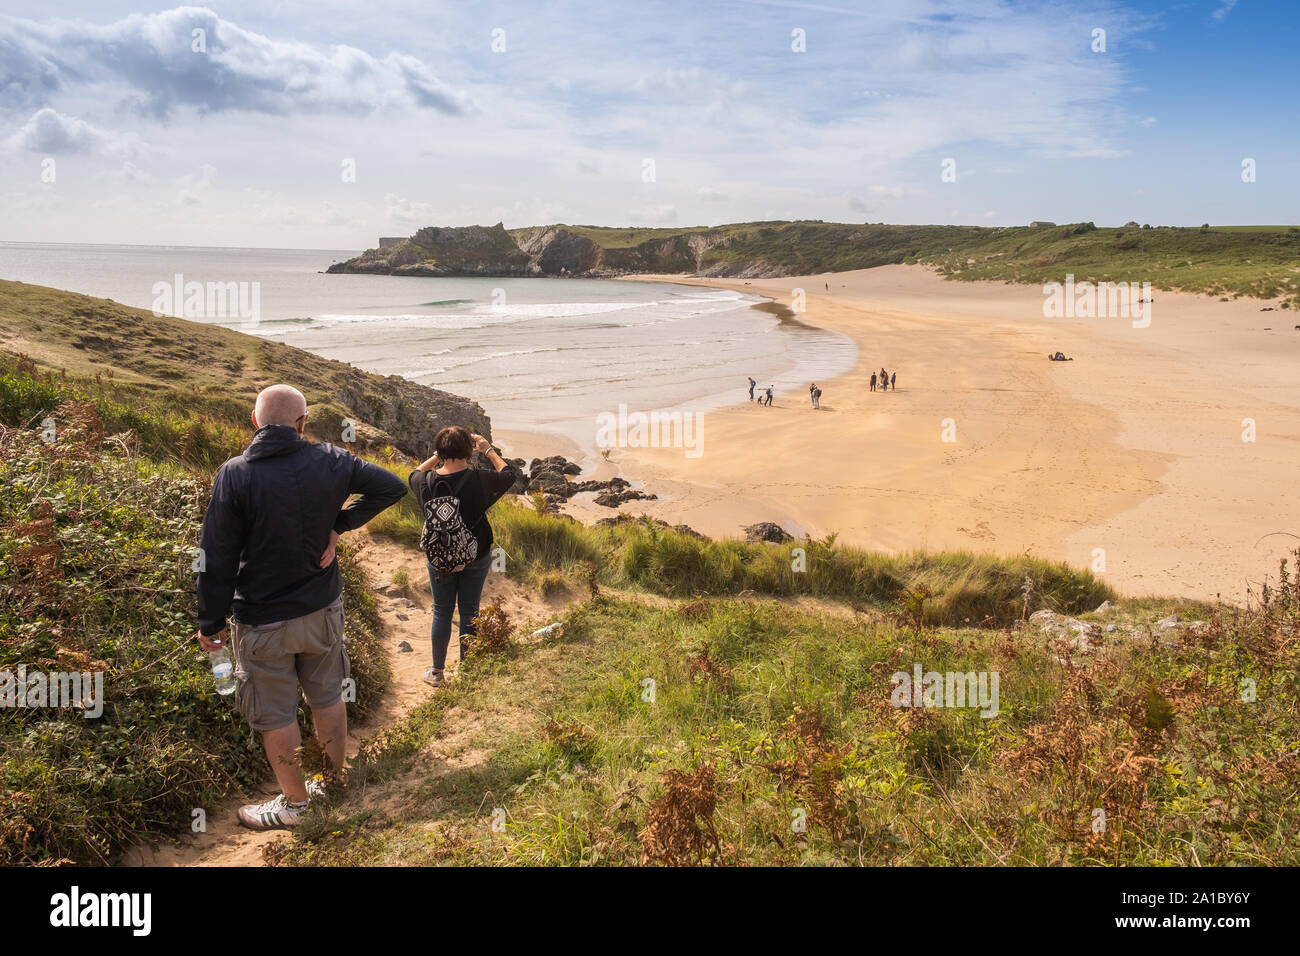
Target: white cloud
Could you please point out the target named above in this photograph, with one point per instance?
(399, 209)
(51, 133)
(158, 63)
(1224, 9)
(194, 188)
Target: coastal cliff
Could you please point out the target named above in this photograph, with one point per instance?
(1256, 261)
(555, 250)
(201, 372)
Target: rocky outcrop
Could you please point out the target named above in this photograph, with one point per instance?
(768, 531)
(1083, 637)
(550, 251)
(621, 519)
(550, 477)
(616, 495)
(403, 413)
(446, 251)
(555, 251)
(1076, 636)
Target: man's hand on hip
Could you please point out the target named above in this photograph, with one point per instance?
(214, 643)
(327, 558)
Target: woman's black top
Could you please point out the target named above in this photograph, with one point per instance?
(477, 489)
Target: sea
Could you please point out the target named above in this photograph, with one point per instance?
(539, 354)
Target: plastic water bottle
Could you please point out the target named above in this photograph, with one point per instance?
(223, 671)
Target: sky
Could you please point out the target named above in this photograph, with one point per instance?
(324, 124)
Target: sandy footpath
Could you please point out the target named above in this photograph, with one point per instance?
(1134, 448)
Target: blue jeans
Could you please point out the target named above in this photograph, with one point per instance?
(463, 589)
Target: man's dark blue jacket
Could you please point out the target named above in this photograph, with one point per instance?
(269, 523)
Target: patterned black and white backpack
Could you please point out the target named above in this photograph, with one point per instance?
(446, 541)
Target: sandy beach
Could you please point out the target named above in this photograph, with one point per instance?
(1130, 458)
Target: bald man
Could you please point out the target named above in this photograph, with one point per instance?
(268, 553)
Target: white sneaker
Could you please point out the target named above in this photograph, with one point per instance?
(435, 678)
(276, 814)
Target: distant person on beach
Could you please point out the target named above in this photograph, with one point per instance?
(812, 394)
(752, 383)
(269, 566)
(893, 381)
(770, 389)
(884, 379)
(457, 538)
(873, 381)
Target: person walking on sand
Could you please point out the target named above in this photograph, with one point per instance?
(812, 394)
(873, 381)
(457, 538)
(770, 389)
(752, 383)
(884, 379)
(817, 397)
(893, 381)
(268, 551)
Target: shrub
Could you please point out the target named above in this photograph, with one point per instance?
(95, 576)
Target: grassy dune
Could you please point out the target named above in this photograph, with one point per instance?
(555, 555)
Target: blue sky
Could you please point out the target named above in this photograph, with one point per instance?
(114, 128)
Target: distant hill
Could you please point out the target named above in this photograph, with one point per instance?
(206, 372)
(1256, 261)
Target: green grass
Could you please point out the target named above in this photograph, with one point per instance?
(95, 576)
(181, 374)
(552, 554)
(780, 716)
(936, 587)
(608, 237)
(1260, 262)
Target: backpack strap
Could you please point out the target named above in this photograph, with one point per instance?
(446, 480)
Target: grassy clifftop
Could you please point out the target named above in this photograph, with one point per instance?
(1257, 261)
(207, 374)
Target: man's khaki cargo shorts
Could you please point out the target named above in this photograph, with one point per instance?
(272, 660)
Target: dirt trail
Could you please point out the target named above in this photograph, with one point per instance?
(406, 618)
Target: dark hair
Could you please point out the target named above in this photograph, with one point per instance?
(453, 442)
